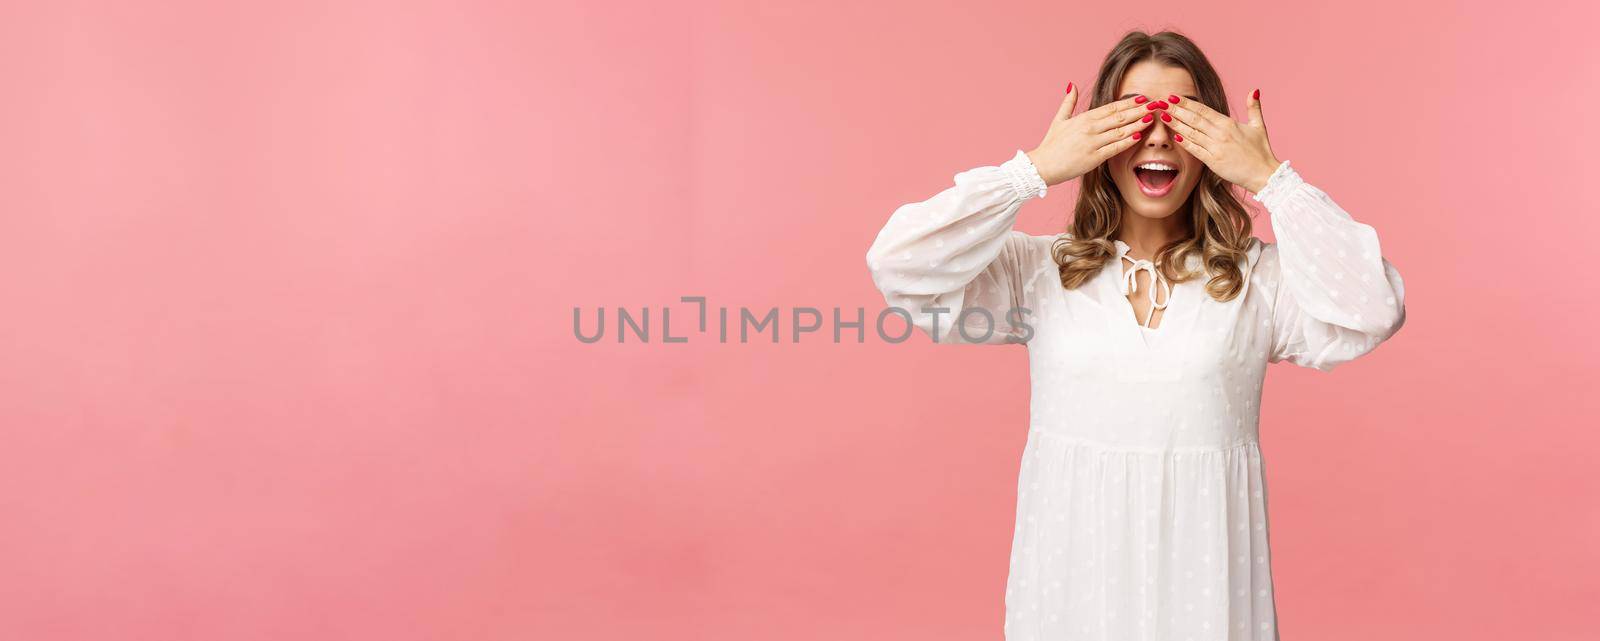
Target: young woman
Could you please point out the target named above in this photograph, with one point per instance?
(1142, 510)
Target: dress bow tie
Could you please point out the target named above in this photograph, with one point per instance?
(1131, 285)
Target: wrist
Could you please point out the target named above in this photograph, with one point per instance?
(1258, 181)
(1049, 178)
(1033, 159)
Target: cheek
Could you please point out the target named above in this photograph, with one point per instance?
(1193, 169)
(1189, 161)
(1119, 165)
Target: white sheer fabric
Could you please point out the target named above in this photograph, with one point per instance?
(1141, 507)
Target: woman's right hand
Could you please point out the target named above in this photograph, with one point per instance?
(1074, 145)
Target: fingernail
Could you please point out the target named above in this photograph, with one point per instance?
(1172, 99)
(1137, 135)
(1139, 100)
(1256, 94)
(1177, 137)
(1148, 117)
(1154, 105)
(1069, 87)
(1166, 117)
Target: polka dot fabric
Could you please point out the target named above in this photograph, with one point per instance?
(1141, 501)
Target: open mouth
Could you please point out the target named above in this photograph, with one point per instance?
(1156, 178)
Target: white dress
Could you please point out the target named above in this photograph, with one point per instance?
(1141, 507)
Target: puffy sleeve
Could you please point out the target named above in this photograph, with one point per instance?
(1336, 296)
(953, 265)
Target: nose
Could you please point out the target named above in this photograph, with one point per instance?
(1158, 136)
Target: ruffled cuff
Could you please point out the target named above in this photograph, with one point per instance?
(1024, 177)
(1283, 180)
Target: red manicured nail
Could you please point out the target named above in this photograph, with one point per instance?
(1069, 87)
(1156, 105)
(1256, 94)
(1172, 99)
(1137, 135)
(1148, 117)
(1177, 137)
(1139, 100)
(1166, 117)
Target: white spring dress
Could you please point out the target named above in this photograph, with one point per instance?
(1141, 504)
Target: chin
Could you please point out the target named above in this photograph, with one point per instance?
(1145, 208)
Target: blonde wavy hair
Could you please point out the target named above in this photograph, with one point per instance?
(1219, 224)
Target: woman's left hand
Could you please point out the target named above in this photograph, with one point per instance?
(1237, 152)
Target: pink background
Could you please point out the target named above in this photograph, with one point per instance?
(288, 299)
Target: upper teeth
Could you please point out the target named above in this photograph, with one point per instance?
(1158, 166)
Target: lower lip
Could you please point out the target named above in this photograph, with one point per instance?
(1152, 191)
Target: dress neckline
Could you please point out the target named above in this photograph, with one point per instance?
(1158, 282)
